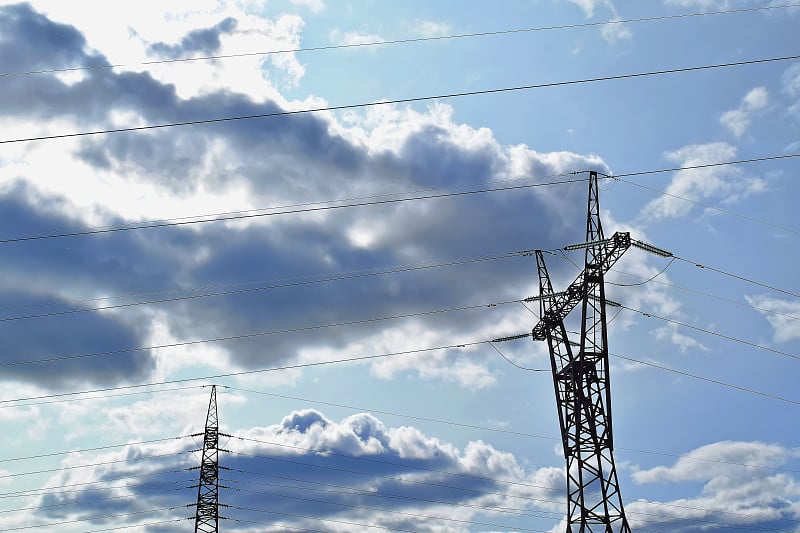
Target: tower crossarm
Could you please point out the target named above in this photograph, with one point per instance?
(564, 302)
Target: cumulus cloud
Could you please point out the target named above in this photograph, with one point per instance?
(118, 179)
(307, 468)
(791, 86)
(353, 38)
(316, 6)
(431, 28)
(721, 184)
(783, 316)
(741, 487)
(738, 120)
(205, 41)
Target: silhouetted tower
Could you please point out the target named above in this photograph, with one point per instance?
(583, 393)
(207, 514)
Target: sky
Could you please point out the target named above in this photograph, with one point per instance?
(349, 344)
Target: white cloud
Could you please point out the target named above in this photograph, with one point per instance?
(615, 32)
(722, 184)
(742, 484)
(353, 38)
(315, 6)
(738, 120)
(791, 86)
(587, 6)
(783, 316)
(682, 341)
(431, 28)
(698, 4)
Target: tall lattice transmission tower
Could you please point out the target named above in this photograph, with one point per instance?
(581, 380)
(207, 507)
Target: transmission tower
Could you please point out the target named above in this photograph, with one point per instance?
(207, 517)
(583, 393)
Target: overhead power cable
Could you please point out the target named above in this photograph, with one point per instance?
(316, 206)
(343, 276)
(515, 511)
(716, 208)
(10, 401)
(736, 276)
(95, 518)
(364, 458)
(379, 493)
(711, 332)
(706, 294)
(404, 100)
(89, 465)
(97, 448)
(252, 335)
(610, 22)
(44, 491)
(382, 509)
(503, 430)
(163, 224)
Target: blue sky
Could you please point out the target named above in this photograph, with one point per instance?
(455, 439)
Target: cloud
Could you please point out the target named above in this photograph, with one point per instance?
(353, 38)
(704, 5)
(682, 341)
(316, 6)
(755, 495)
(430, 28)
(738, 120)
(201, 42)
(616, 31)
(783, 316)
(726, 185)
(791, 86)
(309, 468)
(612, 32)
(124, 178)
(587, 6)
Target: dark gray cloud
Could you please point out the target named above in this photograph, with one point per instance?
(286, 159)
(309, 469)
(196, 42)
(30, 41)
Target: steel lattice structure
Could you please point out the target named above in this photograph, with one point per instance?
(207, 508)
(581, 380)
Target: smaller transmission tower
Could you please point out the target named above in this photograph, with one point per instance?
(207, 514)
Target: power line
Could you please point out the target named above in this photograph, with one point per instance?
(149, 225)
(401, 41)
(88, 465)
(331, 520)
(404, 100)
(349, 490)
(736, 276)
(381, 509)
(711, 206)
(98, 517)
(518, 433)
(516, 511)
(708, 380)
(394, 478)
(343, 276)
(257, 213)
(110, 395)
(256, 334)
(58, 490)
(381, 461)
(96, 448)
(711, 332)
(244, 372)
(702, 293)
